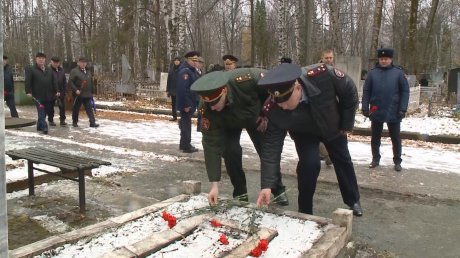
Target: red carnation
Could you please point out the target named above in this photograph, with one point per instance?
(263, 245)
(256, 252)
(223, 239)
(373, 109)
(171, 222)
(215, 223)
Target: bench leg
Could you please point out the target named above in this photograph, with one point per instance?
(81, 190)
(30, 173)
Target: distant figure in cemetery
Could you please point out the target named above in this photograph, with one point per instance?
(314, 103)
(9, 87)
(171, 86)
(80, 81)
(186, 99)
(61, 80)
(42, 87)
(327, 57)
(230, 62)
(200, 69)
(424, 82)
(385, 99)
(284, 60)
(231, 101)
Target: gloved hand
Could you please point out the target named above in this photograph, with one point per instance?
(365, 113)
(402, 114)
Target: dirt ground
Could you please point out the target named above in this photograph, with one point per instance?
(402, 217)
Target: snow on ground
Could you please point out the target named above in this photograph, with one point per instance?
(164, 132)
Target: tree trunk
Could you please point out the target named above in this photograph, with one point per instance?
(158, 40)
(29, 36)
(429, 27)
(137, 58)
(375, 31)
(253, 54)
(281, 29)
(68, 41)
(412, 33)
(310, 14)
(335, 28)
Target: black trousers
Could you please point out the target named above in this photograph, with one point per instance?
(88, 108)
(9, 99)
(394, 130)
(233, 159)
(61, 106)
(344, 170)
(308, 168)
(173, 107)
(185, 126)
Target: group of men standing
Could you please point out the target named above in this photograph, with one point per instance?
(47, 85)
(313, 104)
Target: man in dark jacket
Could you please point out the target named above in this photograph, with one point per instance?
(316, 103)
(186, 99)
(9, 87)
(171, 86)
(59, 77)
(80, 80)
(385, 99)
(41, 85)
(230, 102)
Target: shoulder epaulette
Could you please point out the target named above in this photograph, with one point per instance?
(339, 73)
(268, 105)
(317, 70)
(243, 78)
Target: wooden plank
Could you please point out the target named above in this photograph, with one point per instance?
(147, 210)
(63, 159)
(245, 248)
(37, 247)
(56, 159)
(161, 239)
(329, 245)
(76, 235)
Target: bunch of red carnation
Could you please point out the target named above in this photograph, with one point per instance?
(223, 239)
(260, 248)
(169, 218)
(215, 223)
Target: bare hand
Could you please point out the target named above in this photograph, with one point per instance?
(77, 92)
(213, 194)
(262, 123)
(264, 197)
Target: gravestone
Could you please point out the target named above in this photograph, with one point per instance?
(125, 86)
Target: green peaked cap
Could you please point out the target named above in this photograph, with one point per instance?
(209, 83)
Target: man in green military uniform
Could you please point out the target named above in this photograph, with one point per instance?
(231, 101)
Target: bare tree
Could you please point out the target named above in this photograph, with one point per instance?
(376, 29)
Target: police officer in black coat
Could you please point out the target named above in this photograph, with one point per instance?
(315, 103)
(9, 87)
(186, 99)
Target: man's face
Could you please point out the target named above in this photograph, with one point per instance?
(176, 62)
(200, 65)
(55, 64)
(82, 64)
(328, 58)
(220, 103)
(385, 61)
(40, 61)
(293, 101)
(5, 62)
(230, 66)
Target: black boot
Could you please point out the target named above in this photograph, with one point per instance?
(357, 210)
(374, 163)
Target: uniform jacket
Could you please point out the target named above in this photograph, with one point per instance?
(8, 80)
(78, 80)
(61, 80)
(185, 77)
(171, 83)
(244, 102)
(40, 83)
(330, 106)
(385, 94)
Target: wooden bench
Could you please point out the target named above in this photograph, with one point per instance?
(63, 161)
